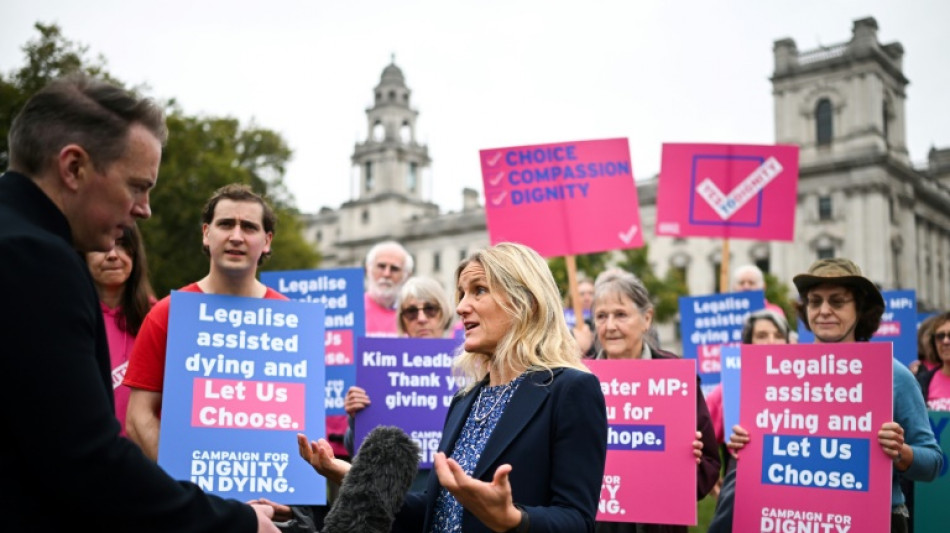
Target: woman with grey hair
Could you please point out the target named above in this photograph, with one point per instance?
(623, 316)
(424, 309)
(774, 329)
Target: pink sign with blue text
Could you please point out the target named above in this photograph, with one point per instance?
(738, 191)
(813, 462)
(562, 199)
(650, 474)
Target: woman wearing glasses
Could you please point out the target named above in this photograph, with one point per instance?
(423, 306)
(935, 383)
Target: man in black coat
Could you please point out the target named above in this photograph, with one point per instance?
(83, 157)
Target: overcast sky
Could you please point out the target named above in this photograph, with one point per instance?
(485, 74)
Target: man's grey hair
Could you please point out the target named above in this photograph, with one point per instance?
(749, 268)
(407, 264)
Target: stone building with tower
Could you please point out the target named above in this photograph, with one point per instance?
(859, 195)
(390, 204)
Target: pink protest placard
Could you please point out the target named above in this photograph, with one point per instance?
(562, 199)
(813, 462)
(736, 191)
(651, 413)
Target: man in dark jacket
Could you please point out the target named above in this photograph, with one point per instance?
(83, 157)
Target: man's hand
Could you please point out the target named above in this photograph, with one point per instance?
(281, 512)
(264, 515)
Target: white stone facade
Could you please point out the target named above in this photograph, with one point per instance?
(858, 195)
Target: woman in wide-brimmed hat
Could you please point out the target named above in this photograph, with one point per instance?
(840, 305)
(868, 302)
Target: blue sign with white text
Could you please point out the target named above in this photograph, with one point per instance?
(341, 292)
(247, 376)
(709, 322)
(820, 462)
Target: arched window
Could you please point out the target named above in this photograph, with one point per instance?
(823, 114)
(379, 131)
(368, 175)
(405, 133)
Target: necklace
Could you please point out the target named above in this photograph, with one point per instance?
(478, 404)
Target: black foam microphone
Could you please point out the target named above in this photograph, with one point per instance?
(376, 485)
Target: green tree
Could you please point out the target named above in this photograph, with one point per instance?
(202, 154)
(665, 291)
(777, 293)
(589, 265)
(49, 56)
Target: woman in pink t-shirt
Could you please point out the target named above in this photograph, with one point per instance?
(926, 351)
(935, 383)
(125, 295)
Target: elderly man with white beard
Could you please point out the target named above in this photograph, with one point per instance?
(388, 266)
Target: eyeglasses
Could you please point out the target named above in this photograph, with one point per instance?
(835, 302)
(410, 313)
(395, 269)
(942, 336)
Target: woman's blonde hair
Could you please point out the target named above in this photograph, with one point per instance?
(522, 284)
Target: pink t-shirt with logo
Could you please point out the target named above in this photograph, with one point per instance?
(120, 347)
(938, 396)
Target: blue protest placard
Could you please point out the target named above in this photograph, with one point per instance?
(731, 357)
(709, 322)
(242, 377)
(341, 292)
